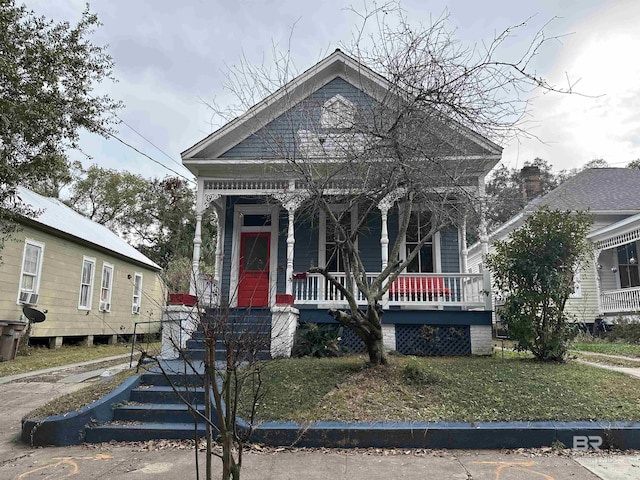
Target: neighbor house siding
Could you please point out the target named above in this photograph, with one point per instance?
(60, 288)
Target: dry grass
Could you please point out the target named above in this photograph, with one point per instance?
(448, 389)
(75, 400)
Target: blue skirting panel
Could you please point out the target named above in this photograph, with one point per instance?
(410, 317)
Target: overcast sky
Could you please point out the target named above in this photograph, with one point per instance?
(170, 56)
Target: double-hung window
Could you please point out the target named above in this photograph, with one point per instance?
(86, 283)
(336, 234)
(105, 287)
(137, 293)
(31, 272)
(419, 226)
(628, 267)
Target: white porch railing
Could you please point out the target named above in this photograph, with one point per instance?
(624, 300)
(411, 289)
(207, 290)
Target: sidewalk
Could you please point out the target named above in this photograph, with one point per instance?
(59, 368)
(134, 462)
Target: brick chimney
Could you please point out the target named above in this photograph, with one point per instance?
(532, 187)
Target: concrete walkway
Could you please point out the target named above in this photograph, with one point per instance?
(59, 368)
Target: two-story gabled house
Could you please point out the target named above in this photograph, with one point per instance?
(255, 173)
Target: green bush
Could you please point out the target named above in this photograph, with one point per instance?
(625, 330)
(313, 340)
(534, 272)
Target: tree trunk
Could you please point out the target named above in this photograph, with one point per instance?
(375, 348)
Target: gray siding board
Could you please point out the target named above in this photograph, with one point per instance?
(277, 138)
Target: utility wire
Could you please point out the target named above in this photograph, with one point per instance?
(149, 157)
(149, 141)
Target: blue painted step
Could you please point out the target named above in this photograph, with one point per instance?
(166, 394)
(143, 432)
(156, 413)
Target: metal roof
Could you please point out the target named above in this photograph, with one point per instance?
(56, 215)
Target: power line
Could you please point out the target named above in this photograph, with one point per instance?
(149, 141)
(149, 157)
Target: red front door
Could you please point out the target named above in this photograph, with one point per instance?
(253, 287)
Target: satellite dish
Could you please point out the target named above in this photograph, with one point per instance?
(34, 316)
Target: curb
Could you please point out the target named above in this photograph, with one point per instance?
(68, 429)
(453, 435)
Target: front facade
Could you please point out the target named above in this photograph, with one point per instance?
(607, 284)
(91, 284)
(267, 242)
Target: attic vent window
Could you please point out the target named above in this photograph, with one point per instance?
(338, 112)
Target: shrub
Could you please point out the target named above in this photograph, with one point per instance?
(313, 340)
(533, 271)
(625, 330)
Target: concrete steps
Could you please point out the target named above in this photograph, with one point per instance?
(157, 407)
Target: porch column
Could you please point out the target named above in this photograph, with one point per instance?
(596, 271)
(202, 204)
(291, 241)
(464, 251)
(484, 244)
(197, 240)
(384, 206)
(290, 201)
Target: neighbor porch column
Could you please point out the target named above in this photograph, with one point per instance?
(484, 245)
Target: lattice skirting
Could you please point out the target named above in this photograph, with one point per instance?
(423, 340)
(430, 340)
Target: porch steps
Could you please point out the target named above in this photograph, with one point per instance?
(155, 409)
(251, 328)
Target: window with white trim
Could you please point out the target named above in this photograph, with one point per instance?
(628, 267)
(419, 226)
(86, 283)
(105, 287)
(137, 293)
(31, 272)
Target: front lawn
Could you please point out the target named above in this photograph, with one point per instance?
(609, 348)
(446, 389)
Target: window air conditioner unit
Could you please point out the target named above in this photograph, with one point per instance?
(29, 298)
(136, 309)
(104, 306)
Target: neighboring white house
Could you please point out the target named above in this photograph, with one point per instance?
(609, 283)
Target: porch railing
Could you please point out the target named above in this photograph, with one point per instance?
(624, 300)
(411, 289)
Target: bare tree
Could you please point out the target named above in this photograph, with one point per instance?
(409, 151)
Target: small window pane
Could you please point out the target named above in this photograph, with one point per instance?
(256, 253)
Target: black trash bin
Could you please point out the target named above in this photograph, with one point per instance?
(10, 338)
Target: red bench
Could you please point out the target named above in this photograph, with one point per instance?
(417, 285)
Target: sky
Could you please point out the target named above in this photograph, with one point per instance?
(171, 59)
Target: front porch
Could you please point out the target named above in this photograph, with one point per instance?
(616, 265)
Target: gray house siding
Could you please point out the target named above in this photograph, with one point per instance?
(277, 138)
